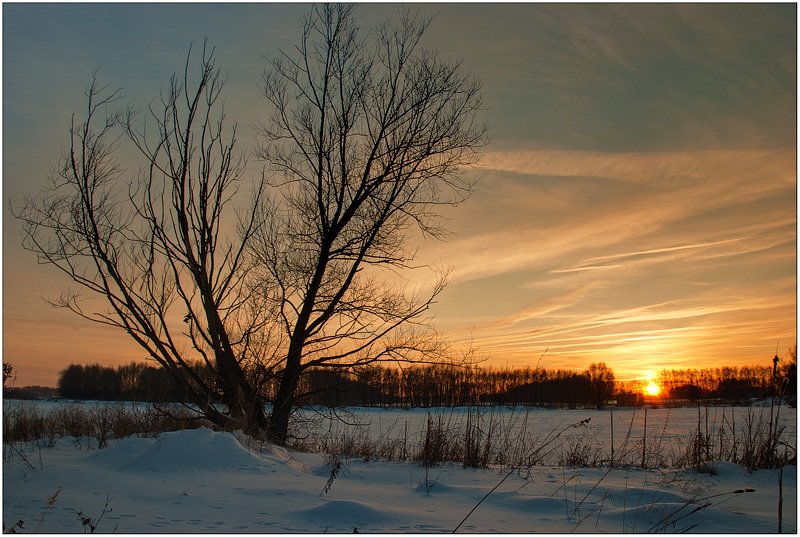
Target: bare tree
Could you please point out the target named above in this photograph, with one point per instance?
(154, 246)
(365, 137)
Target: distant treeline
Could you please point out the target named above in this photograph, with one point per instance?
(730, 383)
(132, 382)
(440, 385)
(417, 386)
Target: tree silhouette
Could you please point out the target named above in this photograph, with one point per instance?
(365, 136)
(601, 378)
(152, 245)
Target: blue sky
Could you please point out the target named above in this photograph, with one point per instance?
(636, 205)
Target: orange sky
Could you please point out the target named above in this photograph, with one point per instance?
(644, 261)
(637, 204)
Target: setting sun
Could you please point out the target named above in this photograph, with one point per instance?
(652, 389)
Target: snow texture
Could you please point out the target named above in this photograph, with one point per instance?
(201, 481)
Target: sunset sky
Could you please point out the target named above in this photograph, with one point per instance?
(637, 203)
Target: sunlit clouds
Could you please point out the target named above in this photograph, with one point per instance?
(646, 208)
(671, 259)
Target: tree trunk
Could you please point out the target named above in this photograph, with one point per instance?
(252, 407)
(245, 406)
(278, 426)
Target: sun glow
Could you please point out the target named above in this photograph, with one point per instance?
(652, 389)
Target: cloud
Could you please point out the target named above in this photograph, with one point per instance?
(543, 307)
(725, 165)
(665, 250)
(585, 268)
(650, 256)
(562, 203)
(656, 76)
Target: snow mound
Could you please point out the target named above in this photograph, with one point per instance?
(180, 450)
(346, 514)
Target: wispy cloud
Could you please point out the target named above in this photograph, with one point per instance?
(585, 268)
(654, 255)
(727, 165)
(666, 250)
(563, 202)
(543, 307)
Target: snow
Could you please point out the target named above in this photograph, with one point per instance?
(201, 481)
(671, 428)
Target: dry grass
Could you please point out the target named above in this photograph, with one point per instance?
(759, 442)
(483, 438)
(480, 438)
(91, 426)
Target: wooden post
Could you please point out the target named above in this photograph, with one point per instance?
(780, 501)
(405, 441)
(612, 438)
(644, 439)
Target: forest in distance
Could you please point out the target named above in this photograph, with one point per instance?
(447, 385)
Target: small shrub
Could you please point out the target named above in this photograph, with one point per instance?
(576, 453)
(23, 423)
(434, 443)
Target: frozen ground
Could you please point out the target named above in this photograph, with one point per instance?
(201, 481)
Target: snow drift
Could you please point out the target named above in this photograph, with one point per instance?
(202, 481)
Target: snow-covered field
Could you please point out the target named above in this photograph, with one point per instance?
(199, 481)
(665, 432)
